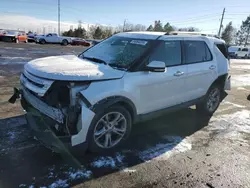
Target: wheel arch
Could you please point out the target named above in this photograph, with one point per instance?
(116, 100)
(220, 81)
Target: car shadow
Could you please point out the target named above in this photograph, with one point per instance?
(156, 138)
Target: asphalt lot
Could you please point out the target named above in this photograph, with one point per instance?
(181, 149)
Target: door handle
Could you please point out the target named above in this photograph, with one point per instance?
(212, 67)
(178, 73)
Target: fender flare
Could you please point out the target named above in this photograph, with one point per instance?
(109, 101)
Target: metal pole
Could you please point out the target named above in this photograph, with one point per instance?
(58, 17)
(124, 23)
(221, 22)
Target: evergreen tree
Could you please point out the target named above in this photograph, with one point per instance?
(98, 33)
(168, 27)
(227, 34)
(150, 28)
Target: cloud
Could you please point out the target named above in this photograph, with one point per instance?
(27, 23)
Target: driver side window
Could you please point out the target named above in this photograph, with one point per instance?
(168, 52)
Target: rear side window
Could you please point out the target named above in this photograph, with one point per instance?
(169, 52)
(245, 50)
(223, 49)
(196, 51)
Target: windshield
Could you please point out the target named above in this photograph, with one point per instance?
(118, 51)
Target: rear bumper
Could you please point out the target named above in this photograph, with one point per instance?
(227, 85)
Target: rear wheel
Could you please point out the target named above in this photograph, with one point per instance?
(211, 102)
(65, 42)
(109, 129)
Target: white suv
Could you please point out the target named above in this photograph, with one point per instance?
(95, 98)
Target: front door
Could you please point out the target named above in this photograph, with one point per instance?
(159, 90)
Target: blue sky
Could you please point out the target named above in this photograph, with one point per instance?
(202, 14)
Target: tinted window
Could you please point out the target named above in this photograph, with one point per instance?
(168, 52)
(223, 49)
(245, 50)
(196, 51)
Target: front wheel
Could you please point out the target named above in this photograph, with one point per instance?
(109, 129)
(211, 101)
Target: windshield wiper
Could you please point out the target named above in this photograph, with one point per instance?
(95, 59)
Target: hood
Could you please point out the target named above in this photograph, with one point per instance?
(71, 68)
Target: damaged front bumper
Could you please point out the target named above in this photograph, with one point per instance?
(42, 119)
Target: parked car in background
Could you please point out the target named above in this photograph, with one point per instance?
(81, 42)
(2, 33)
(31, 37)
(232, 50)
(243, 52)
(94, 42)
(53, 38)
(15, 36)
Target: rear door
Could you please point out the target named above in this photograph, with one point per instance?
(202, 67)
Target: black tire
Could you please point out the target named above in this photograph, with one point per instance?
(65, 42)
(92, 145)
(204, 106)
(42, 41)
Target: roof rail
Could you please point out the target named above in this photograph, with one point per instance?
(191, 33)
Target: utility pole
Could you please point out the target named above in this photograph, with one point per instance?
(221, 21)
(58, 17)
(124, 23)
(248, 32)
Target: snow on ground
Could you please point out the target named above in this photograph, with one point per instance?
(112, 162)
(4, 60)
(240, 80)
(70, 175)
(163, 151)
(242, 88)
(234, 124)
(129, 170)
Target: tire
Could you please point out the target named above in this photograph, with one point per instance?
(211, 101)
(96, 139)
(42, 41)
(65, 42)
(26, 41)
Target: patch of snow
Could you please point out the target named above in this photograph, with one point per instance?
(60, 68)
(31, 186)
(108, 161)
(238, 61)
(79, 174)
(236, 123)
(129, 170)
(163, 151)
(59, 184)
(242, 67)
(240, 80)
(22, 185)
(242, 88)
(236, 105)
(11, 135)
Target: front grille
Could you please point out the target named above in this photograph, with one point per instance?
(34, 83)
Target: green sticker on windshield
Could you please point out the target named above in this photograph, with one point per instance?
(139, 42)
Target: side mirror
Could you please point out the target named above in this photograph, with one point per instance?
(156, 66)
